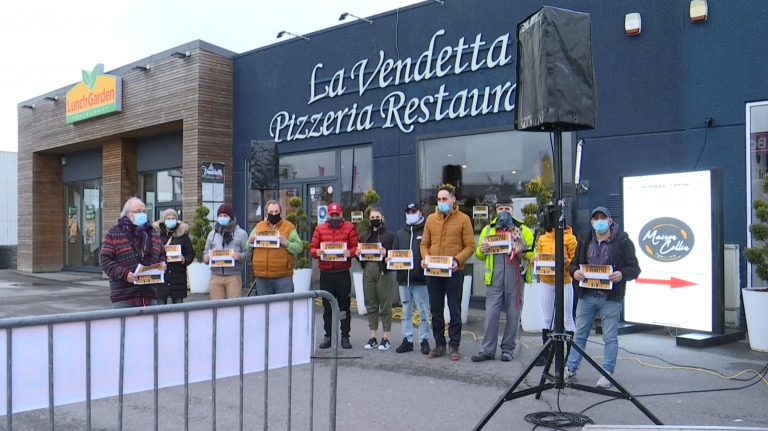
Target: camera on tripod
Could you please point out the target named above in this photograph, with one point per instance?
(547, 214)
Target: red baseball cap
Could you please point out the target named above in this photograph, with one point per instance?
(334, 208)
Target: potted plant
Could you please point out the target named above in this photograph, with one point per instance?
(532, 319)
(756, 298)
(370, 198)
(198, 273)
(302, 274)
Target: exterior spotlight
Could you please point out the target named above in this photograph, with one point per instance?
(282, 33)
(346, 14)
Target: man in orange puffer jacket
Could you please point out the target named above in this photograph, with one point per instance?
(546, 245)
(334, 275)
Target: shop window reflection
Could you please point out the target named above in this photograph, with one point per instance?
(758, 161)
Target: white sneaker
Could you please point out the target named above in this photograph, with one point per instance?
(603, 382)
(570, 376)
(371, 344)
(384, 345)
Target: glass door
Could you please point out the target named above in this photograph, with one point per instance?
(82, 221)
(91, 219)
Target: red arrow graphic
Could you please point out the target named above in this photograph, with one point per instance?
(673, 282)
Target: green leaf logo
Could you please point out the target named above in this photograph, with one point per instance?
(90, 79)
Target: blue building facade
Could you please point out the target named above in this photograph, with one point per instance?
(350, 91)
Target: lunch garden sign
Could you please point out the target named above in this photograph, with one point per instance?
(97, 94)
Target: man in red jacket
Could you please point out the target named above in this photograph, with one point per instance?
(334, 274)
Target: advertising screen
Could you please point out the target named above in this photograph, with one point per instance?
(669, 220)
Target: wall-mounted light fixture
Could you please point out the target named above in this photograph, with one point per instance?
(181, 54)
(633, 23)
(142, 68)
(346, 14)
(283, 33)
(439, 1)
(699, 10)
(28, 106)
(63, 160)
(52, 99)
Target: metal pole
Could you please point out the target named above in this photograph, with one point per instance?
(51, 425)
(266, 367)
(213, 371)
(334, 364)
(9, 379)
(157, 423)
(242, 362)
(312, 336)
(122, 372)
(290, 359)
(559, 257)
(186, 371)
(88, 375)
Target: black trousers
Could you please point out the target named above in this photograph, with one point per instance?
(439, 288)
(338, 284)
(164, 301)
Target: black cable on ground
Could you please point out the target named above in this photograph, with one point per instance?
(559, 419)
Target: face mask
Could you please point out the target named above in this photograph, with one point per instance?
(376, 223)
(139, 219)
(444, 207)
(273, 218)
(223, 221)
(601, 226)
(412, 218)
(336, 222)
(170, 224)
(505, 220)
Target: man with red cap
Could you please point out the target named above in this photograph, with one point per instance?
(334, 274)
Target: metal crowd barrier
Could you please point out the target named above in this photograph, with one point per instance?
(12, 323)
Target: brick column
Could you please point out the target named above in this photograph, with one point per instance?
(120, 180)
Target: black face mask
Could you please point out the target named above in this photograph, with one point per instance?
(336, 222)
(376, 223)
(273, 218)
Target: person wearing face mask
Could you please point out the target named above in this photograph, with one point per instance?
(605, 244)
(505, 284)
(131, 242)
(174, 232)
(227, 235)
(334, 275)
(413, 287)
(447, 232)
(273, 267)
(377, 280)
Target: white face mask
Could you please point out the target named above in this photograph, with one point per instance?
(412, 218)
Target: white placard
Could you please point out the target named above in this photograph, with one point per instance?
(669, 220)
(30, 352)
(218, 192)
(208, 192)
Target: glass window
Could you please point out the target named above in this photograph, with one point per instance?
(758, 140)
(311, 165)
(83, 203)
(356, 178)
(72, 222)
(147, 193)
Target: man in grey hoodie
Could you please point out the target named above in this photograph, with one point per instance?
(227, 235)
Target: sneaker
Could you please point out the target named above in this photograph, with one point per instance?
(454, 352)
(326, 344)
(603, 382)
(371, 344)
(407, 346)
(481, 357)
(437, 352)
(345, 343)
(570, 376)
(506, 357)
(385, 345)
(425, 347)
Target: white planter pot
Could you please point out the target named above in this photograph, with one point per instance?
(302, 280)
(756, 309)
(466, 293)
(359, 293)
(532, 316)
(199, 276)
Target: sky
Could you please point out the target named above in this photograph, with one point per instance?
(49, 42)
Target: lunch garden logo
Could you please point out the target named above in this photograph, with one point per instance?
(666, 239)
(97, 94)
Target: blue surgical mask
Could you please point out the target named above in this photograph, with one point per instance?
(444, 207)
(601, 226)
(140, 219)
(223, 221)
(412, 218)
(170, 224)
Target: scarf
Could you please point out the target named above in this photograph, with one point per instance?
(226, 231)
(140, 235)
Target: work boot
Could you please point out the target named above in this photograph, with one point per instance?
(326, 344)
(453, 352)
(437, 352)
(482, 357)
(543, 359)
(345, 344)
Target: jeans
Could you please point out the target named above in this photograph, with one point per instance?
(271, 286)
(439, 288)
(589, 305)
(419, 294)
(126, 304)
(338, 284)
(164, 301)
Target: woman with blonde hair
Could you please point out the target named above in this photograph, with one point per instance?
(174, 232)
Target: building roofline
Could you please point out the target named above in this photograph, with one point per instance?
(143, 62)
(338, 26)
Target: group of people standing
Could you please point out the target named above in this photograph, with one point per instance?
(445, 232)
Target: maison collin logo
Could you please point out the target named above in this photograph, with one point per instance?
(666, 239)
(97, 94)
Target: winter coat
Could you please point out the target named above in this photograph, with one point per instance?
(622, 258)
(383, 236)
(325, 233)
(547, 246)
(239, 244)
(175, 285)
(276, 262)
(449, 236)
(410, 237)
(528, 236)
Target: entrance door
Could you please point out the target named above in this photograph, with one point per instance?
(161, 209)
(83, 228)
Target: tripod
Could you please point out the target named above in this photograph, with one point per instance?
(559, 338)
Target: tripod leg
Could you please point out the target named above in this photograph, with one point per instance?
(253, 287)
(616, 384)
(550, 358)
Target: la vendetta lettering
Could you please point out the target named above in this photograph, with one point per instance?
(396, 108)
(91, 100)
